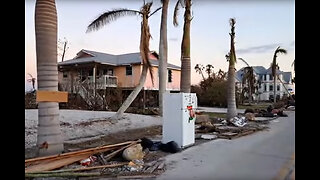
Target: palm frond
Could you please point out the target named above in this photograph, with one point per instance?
(175, 13)
(110, 16)
(280, 50)
(155, 11)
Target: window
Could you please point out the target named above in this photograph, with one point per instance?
(271, 88)
(278, 87)
(265, 87)
(169, 76)
(270, 77)
(128, 70)
(65, 74)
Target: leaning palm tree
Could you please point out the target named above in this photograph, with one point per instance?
(49, 137)
(199, 69)
(275, 67)
(163, 54)
(144, 12)
(231, 57)
(185, 78)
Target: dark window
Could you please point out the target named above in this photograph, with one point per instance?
(128, 70)
(265, 77)
(270, 77)
(278, 87)
(169, 76)
(265, 87)
(65, 74)
(271, 88)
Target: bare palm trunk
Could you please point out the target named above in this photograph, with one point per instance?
(132, 95)
(49, 138)
(274, 89)
(163, 54)
(231, 96)
(185, 77)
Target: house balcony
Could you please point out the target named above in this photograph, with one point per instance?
(103, 81)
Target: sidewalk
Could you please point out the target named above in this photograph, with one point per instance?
(217, 110)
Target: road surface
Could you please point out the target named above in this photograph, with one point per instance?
(262, 155)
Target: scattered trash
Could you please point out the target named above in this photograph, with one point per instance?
(291, 108)
(208, 136)
(135, 165)
(250, 116)
(282, 114)
(238, 121)
(88, 161)
(133, 152)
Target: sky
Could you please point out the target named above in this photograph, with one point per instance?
(261, 26)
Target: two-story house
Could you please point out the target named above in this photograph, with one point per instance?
(90, 70)
(265, 81)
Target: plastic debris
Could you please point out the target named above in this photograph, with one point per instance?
(238, 121)
(88, 161)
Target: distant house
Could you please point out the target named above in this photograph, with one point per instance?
(265, 90)
(96, 70)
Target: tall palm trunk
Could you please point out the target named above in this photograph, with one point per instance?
(275, 88)
(185, 77)
(49, 138)
(231, 94)
(163, 54)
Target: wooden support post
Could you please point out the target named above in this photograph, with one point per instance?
(94, 79)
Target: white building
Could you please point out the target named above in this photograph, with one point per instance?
(265, 90)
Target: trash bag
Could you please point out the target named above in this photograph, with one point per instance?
(146, 143)
(238, 121)
(155, 146)
(171, 147)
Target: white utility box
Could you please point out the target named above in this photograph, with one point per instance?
(179, 118)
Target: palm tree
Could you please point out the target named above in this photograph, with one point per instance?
(33, 81)
(144, 12)
(199, 68)
(294, 68)
(209, 70)
(163, 54)
(249, 79)
(185, 77)
(275, 67)
(231, 57)
(49, 137)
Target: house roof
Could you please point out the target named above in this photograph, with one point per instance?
(110, 59)
(261, 71)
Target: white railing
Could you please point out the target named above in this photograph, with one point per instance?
(104, 81)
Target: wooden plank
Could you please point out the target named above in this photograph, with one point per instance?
(83, 168)
(54, 164)
(109, 147)
(52, 96)
(68, 174)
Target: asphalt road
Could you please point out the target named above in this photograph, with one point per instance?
(262, 155)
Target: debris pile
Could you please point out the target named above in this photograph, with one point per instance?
(122, 159)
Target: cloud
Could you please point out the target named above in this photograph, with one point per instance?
(258, 49)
